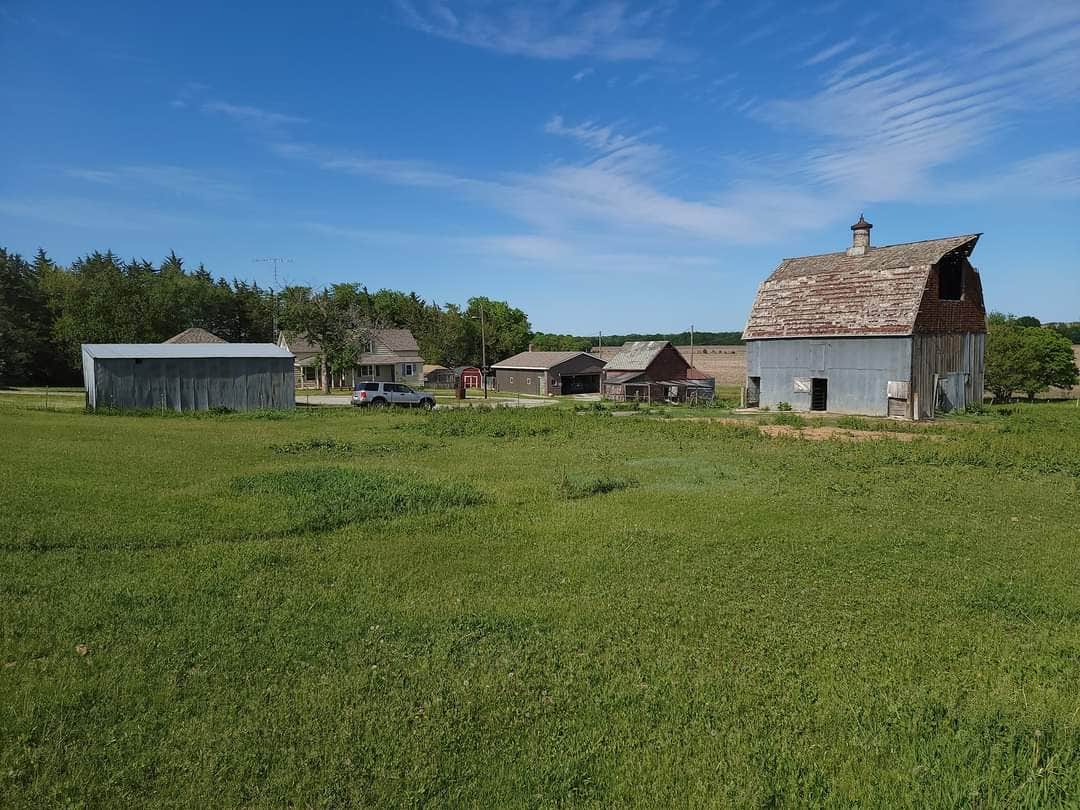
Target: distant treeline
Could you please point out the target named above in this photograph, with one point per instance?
(1071, 330)
(48, 310)
(544, 341)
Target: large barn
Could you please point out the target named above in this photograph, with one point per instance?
(897, 330)
(187, 376)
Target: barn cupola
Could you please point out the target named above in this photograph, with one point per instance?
(860, 238)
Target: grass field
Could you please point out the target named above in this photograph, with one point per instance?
(529, 608)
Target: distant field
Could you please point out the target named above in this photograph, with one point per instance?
(525, 608)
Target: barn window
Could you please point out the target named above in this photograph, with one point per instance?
(511, 379)
(950, 279)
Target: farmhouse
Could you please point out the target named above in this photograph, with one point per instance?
(654, 371)
(551, 373)
(897, 330)
(388, 355)
(187, 376)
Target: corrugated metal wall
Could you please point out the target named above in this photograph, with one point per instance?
(947, 354)
(191, 384)
(859, 370)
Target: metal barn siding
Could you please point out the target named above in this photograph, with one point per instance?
(938, 355)
(118, 377)
(858, 370)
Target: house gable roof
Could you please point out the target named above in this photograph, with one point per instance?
(540, 361)
(399, 341)
(835, 294)
(196, 335)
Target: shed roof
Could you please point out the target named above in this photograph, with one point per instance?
(175, 351)
(540, 361)
(196, 335)
(636, 355)
(835, 294)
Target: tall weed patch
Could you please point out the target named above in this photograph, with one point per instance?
(330, 497)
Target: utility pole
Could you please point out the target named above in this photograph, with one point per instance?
(276, 260)
(691, 345)
(483, 349)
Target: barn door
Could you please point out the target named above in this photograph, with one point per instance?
(951, 392)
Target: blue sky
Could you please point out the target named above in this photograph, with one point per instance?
(615, 166)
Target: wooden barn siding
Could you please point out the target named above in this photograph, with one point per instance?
(944, 354)
(190, 384)
(668, 365)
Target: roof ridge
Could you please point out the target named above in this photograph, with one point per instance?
(883, 247)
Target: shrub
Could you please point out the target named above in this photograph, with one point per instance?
(788, 418)
(783, 406)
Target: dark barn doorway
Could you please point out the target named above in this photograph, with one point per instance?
(753, 392)
(819, 394)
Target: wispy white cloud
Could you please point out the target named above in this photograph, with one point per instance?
(830, 52)
(252, 116)
(175, 179)
(92, 214)
(582, 74)
(612, 30)
(888, 118)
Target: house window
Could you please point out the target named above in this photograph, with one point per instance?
(511, 379)
(367, 371)
(950, 279)
(407, 369)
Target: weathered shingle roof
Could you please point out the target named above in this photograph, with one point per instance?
(196, 335)
(636, 355)
(396, 340)
(836, 294)
(298, 344)
(540, 361)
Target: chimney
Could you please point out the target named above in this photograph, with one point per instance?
(530, 347)
(860, 238)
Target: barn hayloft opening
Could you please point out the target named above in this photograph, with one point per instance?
(951, 278)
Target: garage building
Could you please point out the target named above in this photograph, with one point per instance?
(550, 373)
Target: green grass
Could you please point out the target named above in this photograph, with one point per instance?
(465, 609)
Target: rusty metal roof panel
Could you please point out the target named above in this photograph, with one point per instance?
(636, 355)
(837, 294)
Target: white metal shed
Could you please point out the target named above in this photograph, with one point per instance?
(187, 376)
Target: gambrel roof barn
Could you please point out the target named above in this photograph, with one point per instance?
(871, 329)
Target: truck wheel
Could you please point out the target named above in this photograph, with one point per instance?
(378, 402)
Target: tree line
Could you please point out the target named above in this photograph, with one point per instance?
(48, 310)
